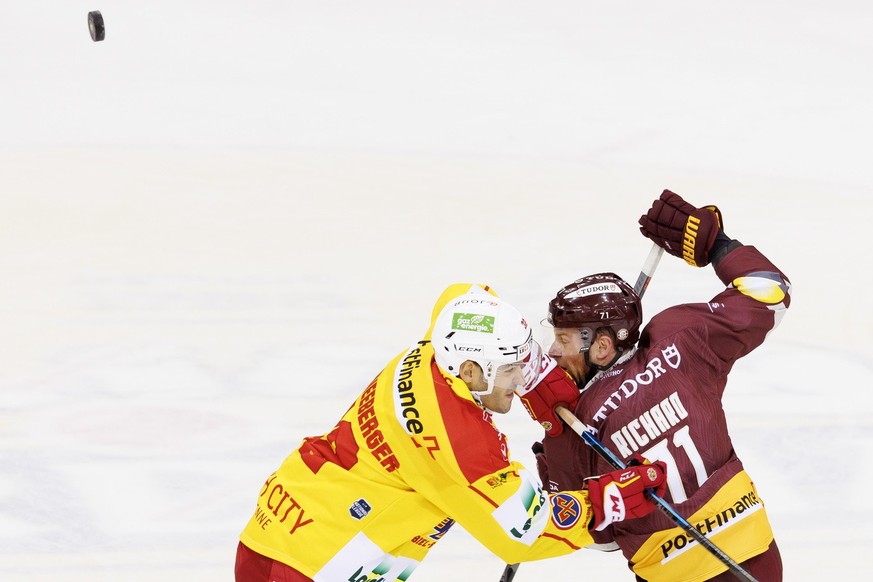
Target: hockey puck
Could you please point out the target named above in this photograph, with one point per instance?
(95, 26)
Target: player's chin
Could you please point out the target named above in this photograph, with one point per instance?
(501, 404)
(576, 367)
(579, 377)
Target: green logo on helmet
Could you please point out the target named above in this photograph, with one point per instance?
(473, 322)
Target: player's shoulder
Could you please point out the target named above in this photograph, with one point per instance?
(477, 444)
(676, 322)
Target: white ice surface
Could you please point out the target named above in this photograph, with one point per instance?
(218, 224)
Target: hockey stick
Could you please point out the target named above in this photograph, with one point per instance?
(509, 572)
(674, 516)
(649, 266)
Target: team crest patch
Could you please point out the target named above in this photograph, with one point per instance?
(360, 509)
(566, 510)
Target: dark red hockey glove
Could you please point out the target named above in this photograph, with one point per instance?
(681, 229)
(621, 495)
(553, 388)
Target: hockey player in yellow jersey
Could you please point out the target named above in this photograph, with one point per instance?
(416, 452)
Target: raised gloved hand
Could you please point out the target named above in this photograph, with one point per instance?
(620, 495)
(681, 229)
(552, 388)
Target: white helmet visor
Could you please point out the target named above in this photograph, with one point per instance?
(518, 375)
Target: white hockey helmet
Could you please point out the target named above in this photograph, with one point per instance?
(490, 332)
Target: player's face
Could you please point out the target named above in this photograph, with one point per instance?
(506, 380)
(567, 351)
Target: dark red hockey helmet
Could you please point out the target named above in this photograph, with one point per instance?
(595, 301)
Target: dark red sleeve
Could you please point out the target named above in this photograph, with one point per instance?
(735, 321)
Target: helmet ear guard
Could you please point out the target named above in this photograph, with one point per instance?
(602, 300)
(587, 335)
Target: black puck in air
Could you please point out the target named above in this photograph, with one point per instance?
(95, 26)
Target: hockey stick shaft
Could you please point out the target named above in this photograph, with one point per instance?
(648, 269)
(509, 572)
(668, 509)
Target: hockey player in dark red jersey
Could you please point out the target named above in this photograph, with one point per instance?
(657, 395)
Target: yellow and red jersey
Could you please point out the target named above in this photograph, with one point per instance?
(414, 454)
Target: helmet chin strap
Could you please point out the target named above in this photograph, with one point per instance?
(596, 367)
(477, 395)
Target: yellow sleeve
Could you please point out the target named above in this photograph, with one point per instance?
(459, 461)
(510, 514)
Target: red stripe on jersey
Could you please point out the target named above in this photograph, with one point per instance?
(485, 497)
(560, 539)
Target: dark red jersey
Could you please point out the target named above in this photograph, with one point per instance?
(663, 401)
